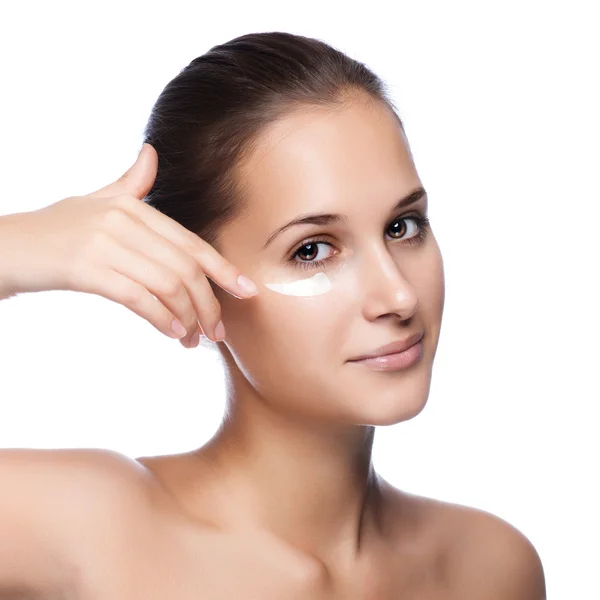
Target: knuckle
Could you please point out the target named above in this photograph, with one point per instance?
(192, 270)
(114, 217)
(171, 286)
(191, 249)
(212, 309)
(122, 201)
(197, 247)
(132, 296)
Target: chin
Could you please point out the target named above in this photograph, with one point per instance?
(397, 414)
(389, 401)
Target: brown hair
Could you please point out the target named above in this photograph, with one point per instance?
(207, 119)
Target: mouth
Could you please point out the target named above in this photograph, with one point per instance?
(393, 347)
(397, 355)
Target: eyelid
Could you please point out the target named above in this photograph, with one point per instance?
(326, 238)
(311, 240)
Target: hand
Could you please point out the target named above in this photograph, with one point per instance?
(113, 244)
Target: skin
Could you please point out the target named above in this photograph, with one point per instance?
(290, 465)
(299, 427)
(283, 501)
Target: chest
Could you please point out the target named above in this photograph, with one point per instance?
(223, 567)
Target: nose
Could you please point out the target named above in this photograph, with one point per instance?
(385, 288)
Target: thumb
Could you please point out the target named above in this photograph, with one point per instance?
(137, 180)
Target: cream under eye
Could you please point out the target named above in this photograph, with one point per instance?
(422, 228)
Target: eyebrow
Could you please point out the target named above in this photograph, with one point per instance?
(334, 218)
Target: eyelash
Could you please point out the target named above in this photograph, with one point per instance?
(423, 226)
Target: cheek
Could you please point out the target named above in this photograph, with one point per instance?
(281, 327)
(430, 287)
(438, 284)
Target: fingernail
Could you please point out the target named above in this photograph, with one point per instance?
(178, 329)
(195, 339)
(220, 331)
(247, 286)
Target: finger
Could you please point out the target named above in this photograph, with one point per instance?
(157, 279)
(137, 180)
(220, 270)
(134, 234)
(116, 287)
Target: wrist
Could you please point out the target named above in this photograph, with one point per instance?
(10, 231)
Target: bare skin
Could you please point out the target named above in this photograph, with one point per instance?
(116, 528)
(283, 501)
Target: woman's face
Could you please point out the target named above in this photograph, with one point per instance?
(387, 280)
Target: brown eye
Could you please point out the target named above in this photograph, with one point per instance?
(399, 228)
(396, 229)
(312, 251)
(313, 254)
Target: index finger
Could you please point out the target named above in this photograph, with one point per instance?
(219, 269)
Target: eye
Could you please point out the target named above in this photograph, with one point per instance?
(399, 231)
(311, 258)
(310, 251)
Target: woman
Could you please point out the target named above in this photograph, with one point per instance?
(276, 157)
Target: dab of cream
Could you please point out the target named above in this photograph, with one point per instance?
(313, 286)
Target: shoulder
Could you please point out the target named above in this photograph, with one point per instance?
(75, 477)
(479, 555)
(486, 556)
(106, 486)
(59, 507)
(76, 490)
(496, 558)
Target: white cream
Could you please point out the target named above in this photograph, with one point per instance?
(313, 286)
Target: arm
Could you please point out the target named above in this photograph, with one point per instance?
(10, 228)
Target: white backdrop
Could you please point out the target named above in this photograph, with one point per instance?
(500, 103)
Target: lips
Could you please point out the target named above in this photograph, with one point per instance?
(392, 348)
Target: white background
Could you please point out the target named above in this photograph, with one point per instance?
(501, 105)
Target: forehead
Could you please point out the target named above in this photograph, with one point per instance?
(328, 160)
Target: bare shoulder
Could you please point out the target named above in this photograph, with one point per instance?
(70, 484)
(484, 555)
(57, 507)
(91, 467)
(105, 486)
(495, 557)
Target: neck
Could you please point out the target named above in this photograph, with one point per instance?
(309, 483)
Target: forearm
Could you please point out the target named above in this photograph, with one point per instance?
(10, 231)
